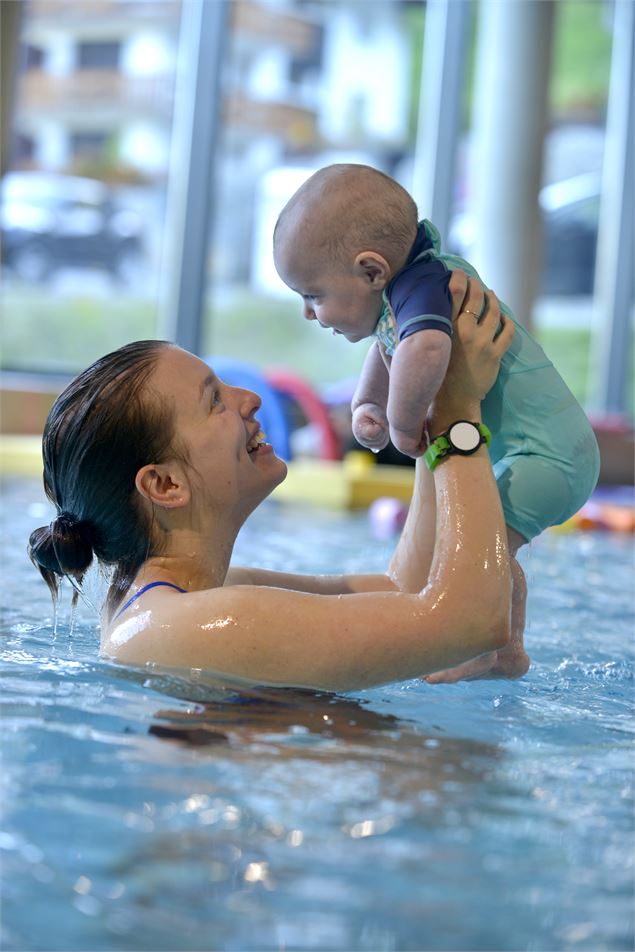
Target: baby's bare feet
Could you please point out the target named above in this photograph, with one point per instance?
(468, 671)
(510, 662)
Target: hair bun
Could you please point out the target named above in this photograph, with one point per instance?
(67, 523)
(64, 547)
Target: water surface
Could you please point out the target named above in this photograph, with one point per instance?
(151, 811)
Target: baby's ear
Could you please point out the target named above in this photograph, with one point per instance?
(374, 268)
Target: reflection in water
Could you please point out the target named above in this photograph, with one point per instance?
(291, 723)
(282, 810)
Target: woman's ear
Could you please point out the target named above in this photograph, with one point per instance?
(164, 485)
(374, 268)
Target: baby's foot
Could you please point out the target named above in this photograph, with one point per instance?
(512, 661)
(509, 662)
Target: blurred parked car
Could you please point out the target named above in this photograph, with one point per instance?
(570, 211)
(50, 221)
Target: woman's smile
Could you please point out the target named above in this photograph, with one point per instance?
(263, 449)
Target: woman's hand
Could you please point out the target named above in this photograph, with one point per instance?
(481, 336)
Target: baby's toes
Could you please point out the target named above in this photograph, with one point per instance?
(468, 671)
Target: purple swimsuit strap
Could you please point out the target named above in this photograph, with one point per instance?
(142, 591)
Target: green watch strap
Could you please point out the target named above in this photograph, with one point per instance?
(485, 433)
(440, 446)
(436, 451)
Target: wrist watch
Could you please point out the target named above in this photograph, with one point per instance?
(462, 437)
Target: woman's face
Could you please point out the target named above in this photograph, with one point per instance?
(218, 428)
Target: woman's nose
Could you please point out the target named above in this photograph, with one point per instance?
(250, 404)
(308, 311)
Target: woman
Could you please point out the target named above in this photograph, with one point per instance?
(154, 464)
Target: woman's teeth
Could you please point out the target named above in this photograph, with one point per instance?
(255, 441)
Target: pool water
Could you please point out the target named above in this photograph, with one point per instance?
(152, 811)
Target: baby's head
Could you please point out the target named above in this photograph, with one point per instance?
(339, 240)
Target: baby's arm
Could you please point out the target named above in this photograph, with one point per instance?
(416, 373)
(370, 424)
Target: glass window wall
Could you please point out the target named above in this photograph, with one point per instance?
(304, 83)
(83, 203)
(309, 83)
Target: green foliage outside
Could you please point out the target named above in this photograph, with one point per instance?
(580, 62)
(581, 58)
(44, 331)
(64, 334)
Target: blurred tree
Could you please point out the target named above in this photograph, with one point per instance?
(581, 60)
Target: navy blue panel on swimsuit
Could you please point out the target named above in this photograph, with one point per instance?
(419, 295)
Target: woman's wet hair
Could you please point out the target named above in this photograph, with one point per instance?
(101, 430)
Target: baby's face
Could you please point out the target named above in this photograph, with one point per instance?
(335, 296)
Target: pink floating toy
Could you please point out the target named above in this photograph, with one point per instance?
(387, 517)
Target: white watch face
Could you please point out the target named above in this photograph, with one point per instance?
(465, 437)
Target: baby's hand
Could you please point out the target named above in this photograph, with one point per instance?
(410, 444)
(370, 426)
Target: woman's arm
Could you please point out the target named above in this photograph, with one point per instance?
(410, 565)
(347, 642)
(314, 584)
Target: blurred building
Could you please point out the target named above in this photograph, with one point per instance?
(96, 93)
(96, 97)
(97, 90)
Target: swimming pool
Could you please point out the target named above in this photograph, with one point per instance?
(150, 811)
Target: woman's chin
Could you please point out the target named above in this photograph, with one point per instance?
(277, 475)
(275, 466)
(283, 470)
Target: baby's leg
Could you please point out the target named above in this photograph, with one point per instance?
(512, 661)
(536, 491)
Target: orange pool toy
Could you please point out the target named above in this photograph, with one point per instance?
(601, 516)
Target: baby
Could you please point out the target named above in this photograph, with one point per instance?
(350, 243)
